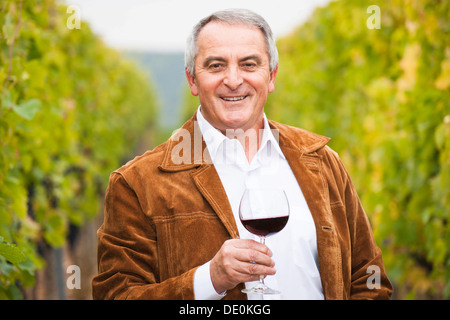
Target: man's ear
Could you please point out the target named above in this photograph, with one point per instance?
(273, 75)
(191, 80)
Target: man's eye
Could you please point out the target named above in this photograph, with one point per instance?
(215, 66)
(249, 66)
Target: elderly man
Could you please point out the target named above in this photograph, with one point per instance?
(172, 228)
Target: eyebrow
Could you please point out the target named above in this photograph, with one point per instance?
(208, 60)
(255, 57)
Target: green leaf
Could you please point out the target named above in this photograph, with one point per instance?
(28, 109)
(11, 253)
(8, 28)
(7, 99)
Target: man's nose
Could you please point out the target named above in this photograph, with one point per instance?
(233, 78)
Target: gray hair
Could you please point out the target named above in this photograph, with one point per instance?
(231, 16)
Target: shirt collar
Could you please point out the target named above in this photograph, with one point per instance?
(214, 138)
(271, 136)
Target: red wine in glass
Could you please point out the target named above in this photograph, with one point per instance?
(266, 226)
(263, 212)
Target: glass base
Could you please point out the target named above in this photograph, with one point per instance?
(260, 288)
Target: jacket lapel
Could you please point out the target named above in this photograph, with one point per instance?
(208, 183)
(308, 172)
(187, 151)
(307, 167)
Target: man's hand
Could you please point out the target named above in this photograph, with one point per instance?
(240, 260)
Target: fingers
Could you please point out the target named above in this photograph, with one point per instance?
(255, 256)
(252, 245)
(239, 261)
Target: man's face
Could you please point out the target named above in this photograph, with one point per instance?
(232, 76)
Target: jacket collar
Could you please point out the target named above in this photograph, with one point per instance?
(187, 149)
(298, 139)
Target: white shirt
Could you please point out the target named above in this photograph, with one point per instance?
(294, 248)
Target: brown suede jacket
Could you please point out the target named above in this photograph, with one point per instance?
(165, 217)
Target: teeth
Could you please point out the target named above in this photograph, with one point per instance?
(233, 98)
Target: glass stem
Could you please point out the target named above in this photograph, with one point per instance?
(262, 239)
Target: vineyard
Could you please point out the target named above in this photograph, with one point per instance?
(383, 96)
(71, 112)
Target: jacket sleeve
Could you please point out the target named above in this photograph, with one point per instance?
(128, 252)
(368, 276)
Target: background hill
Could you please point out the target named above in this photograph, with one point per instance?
(166, 72)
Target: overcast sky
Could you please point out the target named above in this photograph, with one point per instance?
(163, 25)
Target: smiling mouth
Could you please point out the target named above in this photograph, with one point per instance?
(233, 98)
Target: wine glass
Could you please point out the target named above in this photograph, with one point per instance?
(263, 212)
